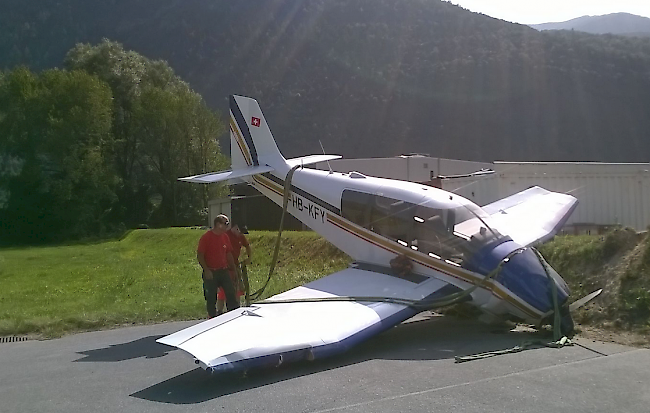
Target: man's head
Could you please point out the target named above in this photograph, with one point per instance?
(221, 224)
(238, 228)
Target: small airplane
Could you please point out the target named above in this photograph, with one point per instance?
(453, 250)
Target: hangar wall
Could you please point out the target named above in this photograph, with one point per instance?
(414, 168)
(608, 193)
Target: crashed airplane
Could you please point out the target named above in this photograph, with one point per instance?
(454, 251)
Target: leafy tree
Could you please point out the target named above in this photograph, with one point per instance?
(123, 71)
(55, 179)
(178, 133)
(162, 130)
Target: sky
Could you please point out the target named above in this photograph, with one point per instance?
(546, 11)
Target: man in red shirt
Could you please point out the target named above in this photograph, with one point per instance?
(237, 240)
(214, 254)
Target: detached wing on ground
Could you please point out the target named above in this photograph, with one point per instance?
(270, 334)
(531, 216)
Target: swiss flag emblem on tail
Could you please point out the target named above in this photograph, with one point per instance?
(255, 121)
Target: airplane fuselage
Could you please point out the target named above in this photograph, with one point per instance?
(373, 220)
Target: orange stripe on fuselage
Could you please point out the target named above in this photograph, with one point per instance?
(268, 184)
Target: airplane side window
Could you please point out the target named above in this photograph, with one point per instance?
(451, 220)
(380, 219)
(355, 207)
(392, 218)
(433, 238)
(435, 235)
(402, 213)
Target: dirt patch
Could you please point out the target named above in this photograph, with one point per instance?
(627, 338)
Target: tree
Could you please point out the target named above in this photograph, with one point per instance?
(56, 180)
(178, 134)
(160, 126)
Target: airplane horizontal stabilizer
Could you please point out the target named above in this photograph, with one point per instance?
(268, 334)
(227, 175)
(531, 216)
(311, 159)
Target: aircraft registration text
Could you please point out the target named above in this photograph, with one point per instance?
(301, 204)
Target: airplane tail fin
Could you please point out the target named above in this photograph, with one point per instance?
(252, 147)
(251, 141)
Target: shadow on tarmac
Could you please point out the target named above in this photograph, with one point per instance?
(142, 347)
(433, 339)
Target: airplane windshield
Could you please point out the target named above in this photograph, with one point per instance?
(449, 234)
(470, 220)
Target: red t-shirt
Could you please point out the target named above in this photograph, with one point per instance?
(215, 247)
(237, 242)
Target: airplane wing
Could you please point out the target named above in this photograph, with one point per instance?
(268, 334)
(531, 216)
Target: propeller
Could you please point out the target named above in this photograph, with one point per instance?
(584, 300)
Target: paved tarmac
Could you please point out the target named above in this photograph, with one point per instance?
(409, 368)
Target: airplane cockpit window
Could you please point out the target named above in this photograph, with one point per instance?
(450, 234)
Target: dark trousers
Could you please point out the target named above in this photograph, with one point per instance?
(220, 278)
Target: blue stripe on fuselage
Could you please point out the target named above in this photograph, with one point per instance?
(304, 194)
(243, 126)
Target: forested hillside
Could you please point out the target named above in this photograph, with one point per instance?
(614, 23)
(374, 77)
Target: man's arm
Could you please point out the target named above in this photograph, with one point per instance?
(200, 257)
(235, 269)
(249, 255)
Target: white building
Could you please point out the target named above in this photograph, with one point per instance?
(219, 206)
(608, 193)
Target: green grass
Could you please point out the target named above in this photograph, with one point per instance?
(148, 276)
(576, 258)
(619, 262)
(152, 276)
(635, 288)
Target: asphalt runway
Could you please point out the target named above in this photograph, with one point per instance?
(408, 368)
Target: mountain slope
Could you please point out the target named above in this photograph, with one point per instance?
(375, 77)
(615, 23)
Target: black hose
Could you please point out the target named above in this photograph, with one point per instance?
(285, 201)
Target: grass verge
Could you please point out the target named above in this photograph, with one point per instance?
(147, 276)
(152, 276)
(618, 262)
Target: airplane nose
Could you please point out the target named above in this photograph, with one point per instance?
(523, 274)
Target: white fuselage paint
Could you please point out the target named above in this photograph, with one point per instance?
(363, 245)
